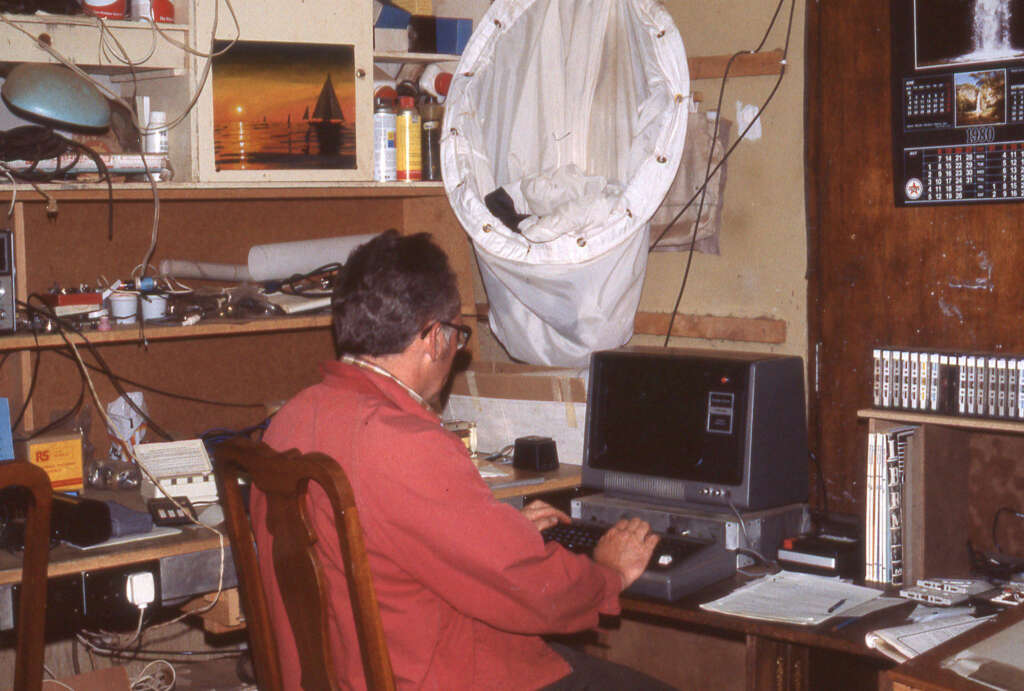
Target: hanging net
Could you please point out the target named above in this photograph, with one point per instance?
(563, 130)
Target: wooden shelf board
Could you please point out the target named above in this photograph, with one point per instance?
(132, 333)
(708, 326)
(974, 423)
(746, 65)
(396, 56)
(192, 191)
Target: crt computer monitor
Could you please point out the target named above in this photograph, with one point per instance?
(698, 429)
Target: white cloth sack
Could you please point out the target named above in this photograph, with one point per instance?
(577, 109)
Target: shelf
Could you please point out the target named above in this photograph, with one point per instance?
(94, 191)
(132, 333)
(77, 38)
(972, 423)
(394, 56)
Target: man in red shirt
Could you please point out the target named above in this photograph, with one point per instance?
(466, 584)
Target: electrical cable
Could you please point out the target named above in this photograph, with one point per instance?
(35, 143)
(292, 281)
(144, 654)
(31, 390)
(162, 392)
(710, 172)
(130, 451)
(56, 55)
(148, 681)
(63, 326)
(14, 190)
(995, 524)
(58, 422)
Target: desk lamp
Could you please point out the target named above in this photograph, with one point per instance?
(54, 96)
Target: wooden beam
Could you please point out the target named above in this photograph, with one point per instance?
(747, 329)
(745, 65)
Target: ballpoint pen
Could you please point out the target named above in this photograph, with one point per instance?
(836, 606)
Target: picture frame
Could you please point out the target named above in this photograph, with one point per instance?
(287, 102)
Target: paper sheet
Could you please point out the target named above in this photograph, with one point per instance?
(995, 662)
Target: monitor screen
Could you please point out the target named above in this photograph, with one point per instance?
(697, 427)
(669, 417)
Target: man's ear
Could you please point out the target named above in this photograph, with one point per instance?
(434, 343)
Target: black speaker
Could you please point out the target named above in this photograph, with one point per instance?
(535, 453)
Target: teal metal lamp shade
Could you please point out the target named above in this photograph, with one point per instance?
(55, 96)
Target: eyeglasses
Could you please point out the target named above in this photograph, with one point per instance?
(463, 331)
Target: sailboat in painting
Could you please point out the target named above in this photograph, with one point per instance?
(327, 120)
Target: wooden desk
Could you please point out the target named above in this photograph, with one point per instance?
(67, 560)
(781, 656)
(521, 483)
(924, 672)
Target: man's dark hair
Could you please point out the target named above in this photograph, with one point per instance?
(390, 289)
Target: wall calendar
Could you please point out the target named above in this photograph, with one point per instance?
(958, 101)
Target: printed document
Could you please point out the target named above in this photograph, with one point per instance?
(795, 598)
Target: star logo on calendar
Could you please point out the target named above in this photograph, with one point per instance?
(914, 189)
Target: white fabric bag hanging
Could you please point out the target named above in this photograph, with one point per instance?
(576, 110)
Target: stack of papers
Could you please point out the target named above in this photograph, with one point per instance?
(796, 598)
(902, 643)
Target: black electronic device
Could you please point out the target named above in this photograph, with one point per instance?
(958, 102)
(697, 428)
(535, 453)
(8, 321)
(826, 555)
(167, 512)
(82, 522)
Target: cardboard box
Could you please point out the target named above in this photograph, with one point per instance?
(508, 400)
(452, 34)
(391, 40)
(60, 455)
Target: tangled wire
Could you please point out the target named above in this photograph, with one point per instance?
(35, 143)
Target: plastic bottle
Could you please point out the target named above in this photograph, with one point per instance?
(156, 138)
(431, 113)
(435, 82)
(408, 138)
(384, 134)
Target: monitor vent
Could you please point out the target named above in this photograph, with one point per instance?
(649, 486)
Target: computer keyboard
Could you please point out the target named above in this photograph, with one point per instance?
(581, 537)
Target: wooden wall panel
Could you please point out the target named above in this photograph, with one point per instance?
(258, 370)
(933, 277)
(73, 248)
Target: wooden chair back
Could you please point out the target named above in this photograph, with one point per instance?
(31, 626)
(284, 479)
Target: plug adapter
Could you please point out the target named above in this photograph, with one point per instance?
(140, 588)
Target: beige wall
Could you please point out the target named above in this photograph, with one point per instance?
(760, 271)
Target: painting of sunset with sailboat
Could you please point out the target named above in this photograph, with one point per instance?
(284, 106)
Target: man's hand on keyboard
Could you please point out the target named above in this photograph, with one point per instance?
(544, 515)
(627, 547)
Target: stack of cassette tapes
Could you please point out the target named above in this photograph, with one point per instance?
(969, 384)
